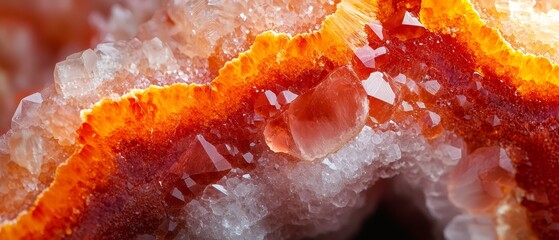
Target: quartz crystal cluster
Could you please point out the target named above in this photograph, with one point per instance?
(280, 120)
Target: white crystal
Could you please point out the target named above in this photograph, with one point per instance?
(376, 86)
(220, 188)
(432, 86)
(75, 76)
(411, 20)
(27, 151)
(367, 56)
(377, 29)
(433, 119)
(272, 98)
(286, 97)
(27, 106)
(158, 54)
(406, 106)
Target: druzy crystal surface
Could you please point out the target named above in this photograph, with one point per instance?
(204, 119)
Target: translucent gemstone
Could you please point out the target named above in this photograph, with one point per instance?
(27, 150)
(110, 58)
(401, 78)
(406, 106)
(432, 119)
(286, 97)
(272, 98)
(27, 106)
(178, 194)
(158, 54)
(431, 124)
(411, 20)
(505, 162)
(454, 153)
(75, 76)
(463, 102)
(493, 120)
(321, 120)
(189, 182)
(367, 55)
(191, 185)
(382, 96)
(405, 25)
(377, 87)
(266, 104)
(412, 86)
(377, 29)
(248, 157)
(220, 163)
(478, 181)
(201, 158)
(432, 86)
(220, 188)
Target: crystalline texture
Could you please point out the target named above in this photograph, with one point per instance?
(477, 182)
(206, 158)
(158, 54)
(74, 75)
(27, 151)
(382, 96)
(319, 121)
(28, 106)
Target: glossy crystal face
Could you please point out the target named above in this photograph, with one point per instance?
(285, 120)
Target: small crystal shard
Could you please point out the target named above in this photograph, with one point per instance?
(377, 29)
(272, 98)
(157, 53)
(411, 20)
(432, 86)
(406, 106)
(208, 159)
(286, 97)
(27, 106)
(377, 87)
(382, 96)
(367, 55)
(178, 194)
(220, 188)
(494, 121)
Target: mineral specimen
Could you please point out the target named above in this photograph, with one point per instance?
(278, 119)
